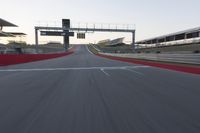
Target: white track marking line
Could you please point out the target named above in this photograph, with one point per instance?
(89, 50)
(72, 68)
(105, 72)
(134, 71)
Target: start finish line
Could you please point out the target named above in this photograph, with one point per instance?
(66, 31)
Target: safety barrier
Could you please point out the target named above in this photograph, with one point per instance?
(176, 67)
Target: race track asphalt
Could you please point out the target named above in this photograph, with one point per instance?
(84, 93)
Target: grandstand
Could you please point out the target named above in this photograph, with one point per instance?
(55, 44)
(15, 46)
(2, 34)
(4, 23)
(118, 41)
(115, 42)
(187, 40)
(183, 37)
(114, 46)
(104, 42)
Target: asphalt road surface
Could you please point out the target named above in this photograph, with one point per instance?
(83, 93)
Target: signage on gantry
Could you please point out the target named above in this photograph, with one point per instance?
(53, 33)
(80, 35)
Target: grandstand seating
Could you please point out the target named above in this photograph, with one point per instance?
(117, 49)
(182, 37)
(115, 42)
(109, 42)
(184, 48)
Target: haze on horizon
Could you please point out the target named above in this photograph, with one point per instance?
(152, 18)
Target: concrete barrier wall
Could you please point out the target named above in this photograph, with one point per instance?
(24, 58)
(176, 67)
(174, 58)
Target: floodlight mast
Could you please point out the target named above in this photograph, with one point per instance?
(133, 40)
(36, 40)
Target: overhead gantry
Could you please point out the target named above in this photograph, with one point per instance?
(66, 31)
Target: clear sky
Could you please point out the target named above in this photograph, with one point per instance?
(151, 17)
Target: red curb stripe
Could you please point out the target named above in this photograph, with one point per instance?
(9, 59)
(187, 69)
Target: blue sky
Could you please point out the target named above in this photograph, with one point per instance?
(152, 18)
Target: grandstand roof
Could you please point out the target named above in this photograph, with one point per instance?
(6, 23)
(104, 41)
(11, 34)
(16, 33)
(197, 29)
(3, 34)
(116, 41)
